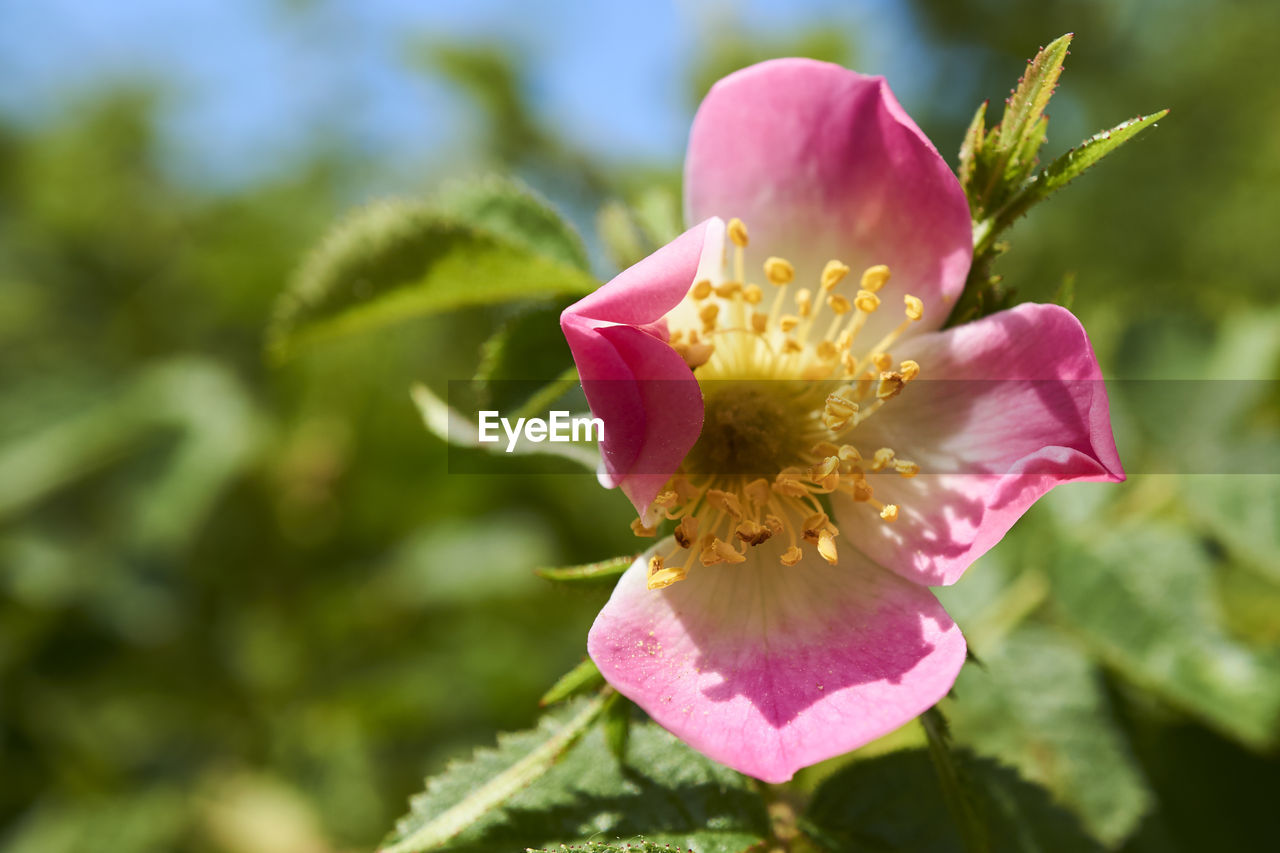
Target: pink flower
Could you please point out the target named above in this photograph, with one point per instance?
(817, 484)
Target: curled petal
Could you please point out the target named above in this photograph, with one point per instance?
(769, 669)
(1014, 405)
(822, 162)
(635, 383)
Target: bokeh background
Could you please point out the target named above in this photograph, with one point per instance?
(246, 608)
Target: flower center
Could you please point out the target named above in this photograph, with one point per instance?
(748, 428)
(784, 388)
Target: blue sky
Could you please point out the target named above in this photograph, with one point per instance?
(251, 83)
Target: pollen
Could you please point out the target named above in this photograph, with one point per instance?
(738, 232)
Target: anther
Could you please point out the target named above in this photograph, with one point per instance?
(752, 532)
(708, 314)
(827, 351)
(660, 577)
(906, 469)
(833, 273)
(824, 448)
(839, 303)
(890, 512)
(883, 459)
(738, 232)
(909, 370)
(791, 345)
(638, 528)
(701, 289)
(915, 307)
(759, 322)
(787, 322)
(779, 271)
(791, 556)
(728, 289)
(726, 552)
(822, 470)
(882, 361)
(726, 501)
(757, 491)
(804, 302)
(866, 301)
(686, 531)
(890, 385)
(827, 548)
(695, 355)
(752, 294)
(874, 278)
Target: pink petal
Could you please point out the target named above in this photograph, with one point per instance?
(822, 162)
(769, 669)
(634, 382)
(1005, 409)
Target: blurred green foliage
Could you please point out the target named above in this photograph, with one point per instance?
(245, 608)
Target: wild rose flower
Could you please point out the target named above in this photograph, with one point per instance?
(758, 390)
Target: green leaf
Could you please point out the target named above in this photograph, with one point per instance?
(525, 354)
(622, 236)
(605, 571)
(468, 792)
(1038, 706)
(893, 803)
(957, 790)
(1025, 108)
(667, 794)
(1072, 164)
(395, 260)
(583, 677)
(617, 726)
(1143, 599)
(1245, 512)
(509, 209)
(971, 147)
(637, 846)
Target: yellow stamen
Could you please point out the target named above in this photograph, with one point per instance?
(738, 232)
(752, 294)
(701, 289)
(833, 273)
(804, 302)
(779, 271)
(915, 307)
(638, 528)
(874, 278)
(867, 301)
